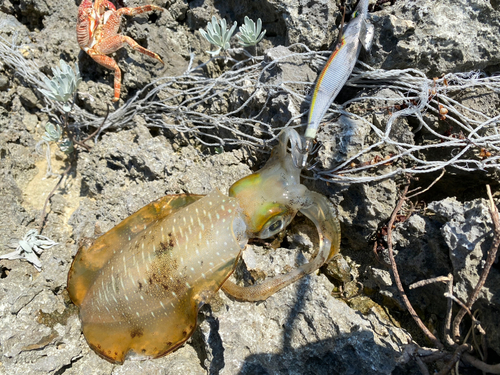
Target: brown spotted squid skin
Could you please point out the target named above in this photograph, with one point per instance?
(140, 285)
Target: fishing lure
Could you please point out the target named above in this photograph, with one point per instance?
(140, 285)
(358, 32)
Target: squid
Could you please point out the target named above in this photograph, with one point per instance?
(140, 285)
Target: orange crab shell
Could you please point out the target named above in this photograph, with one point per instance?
(89, 17)
(97, 34)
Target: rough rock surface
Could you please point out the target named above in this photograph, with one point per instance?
(302, 329)
(438, 37)
(449, 237)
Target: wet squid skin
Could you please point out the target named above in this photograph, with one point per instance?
(140, 285)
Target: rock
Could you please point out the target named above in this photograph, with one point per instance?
(290, 69)
(452, 237)
(273, 20)
(4, 83)
(301, 327)
(28, 98)
(310, 23)
(183, 361)
(468, 232)
(376, 277)
(436, 36)
(312, 317)
(132, 168)
(16, 169)
(364, 207)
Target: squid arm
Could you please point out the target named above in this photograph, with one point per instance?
(323, 216)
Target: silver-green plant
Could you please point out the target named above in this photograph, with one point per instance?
(218, 34)
(62, 87)
(250, 33)
(53, 133)
(66, 146)
(30, 247)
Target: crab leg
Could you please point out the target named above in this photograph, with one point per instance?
(109, 63)
(114, 43)
(138, 10)
(111, 42)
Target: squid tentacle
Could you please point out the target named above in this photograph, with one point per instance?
(328, 228)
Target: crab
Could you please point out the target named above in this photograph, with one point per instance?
(97, 34)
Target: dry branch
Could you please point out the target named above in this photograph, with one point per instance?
(490, 259)
(490, 369)
(231, 110)
(394, 268)
(456, 357)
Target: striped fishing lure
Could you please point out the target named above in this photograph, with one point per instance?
(358, 32)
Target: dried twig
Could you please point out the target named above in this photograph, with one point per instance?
(438, 356)
(406, 301)
(492, 253)
(462, 305)
(456, 357)
(490, 369)
(204, 108)
(428, 187)
(479, 347)
(484, 347)
(449, 313)
(99, 128)
(460, 350)
(422, 366)
(418, 284)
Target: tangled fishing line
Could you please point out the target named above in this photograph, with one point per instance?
(251, 102)
(462, 136)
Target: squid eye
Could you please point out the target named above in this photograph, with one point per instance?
(277, 225)
(273, 226)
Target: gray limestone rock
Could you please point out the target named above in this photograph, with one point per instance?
(364, 207)
(310, 22)
(437, 36)
(301, 329)
(468, 232)
(451, 237)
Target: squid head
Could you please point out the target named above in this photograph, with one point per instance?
(270, 198)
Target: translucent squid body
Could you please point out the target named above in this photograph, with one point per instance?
(140, 285)
(358, 32)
